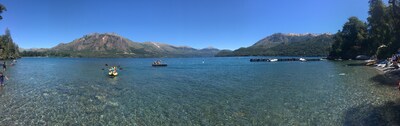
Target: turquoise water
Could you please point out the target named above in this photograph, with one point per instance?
(220, 91)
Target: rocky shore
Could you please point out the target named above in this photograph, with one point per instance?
(390, 75)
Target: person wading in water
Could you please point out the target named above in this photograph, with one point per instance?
(2, 77)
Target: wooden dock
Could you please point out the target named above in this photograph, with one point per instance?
(282, 59)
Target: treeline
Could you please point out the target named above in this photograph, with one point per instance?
(33, 54)
(379, 36)
(8, 49)
(44, 54)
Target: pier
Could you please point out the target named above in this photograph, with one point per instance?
(283, 59)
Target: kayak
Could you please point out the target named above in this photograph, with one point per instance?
(112, 73)
(156, 65)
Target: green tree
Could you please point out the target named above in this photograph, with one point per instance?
(8, 49)
(379, 23)
(394, 12)
(2, 8)
(335, 49)
(351, 40)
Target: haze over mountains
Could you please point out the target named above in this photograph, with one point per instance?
(113, 45)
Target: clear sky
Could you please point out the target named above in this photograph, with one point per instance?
(224, 24)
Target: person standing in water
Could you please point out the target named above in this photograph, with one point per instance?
(2, 77)
(4, 66)
(115, 69)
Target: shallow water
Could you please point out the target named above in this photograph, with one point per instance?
(220, 91)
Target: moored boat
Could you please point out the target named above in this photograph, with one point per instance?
(155, 65)
(158, 63)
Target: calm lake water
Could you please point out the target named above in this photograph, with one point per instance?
(220, 91)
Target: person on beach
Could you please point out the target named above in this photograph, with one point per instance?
(2, 77)
(398, 86)
(394, 61)
(4, 66)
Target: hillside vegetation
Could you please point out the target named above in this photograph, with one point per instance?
(280, 44)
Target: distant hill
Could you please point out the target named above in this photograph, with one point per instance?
(34, 49)
(280, 44)
(113, 45)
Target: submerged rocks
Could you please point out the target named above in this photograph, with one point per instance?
(114, 104)
(106, 101)
(101, 98)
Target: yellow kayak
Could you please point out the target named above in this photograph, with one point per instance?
(112, 73)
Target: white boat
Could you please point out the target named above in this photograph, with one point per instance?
(302, 60)
(273, 60)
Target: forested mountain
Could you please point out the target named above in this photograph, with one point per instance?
(280, 44)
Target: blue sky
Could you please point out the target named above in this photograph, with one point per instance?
(224, 24)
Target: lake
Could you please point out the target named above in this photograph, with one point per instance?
(220, 91)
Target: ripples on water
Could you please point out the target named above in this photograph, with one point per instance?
(220, 91)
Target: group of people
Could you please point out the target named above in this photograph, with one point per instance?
(394, 62)
(390, 63)
(113, 69)
(157, 62)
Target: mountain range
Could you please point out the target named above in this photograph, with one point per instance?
(113, 45)
(280, 44)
